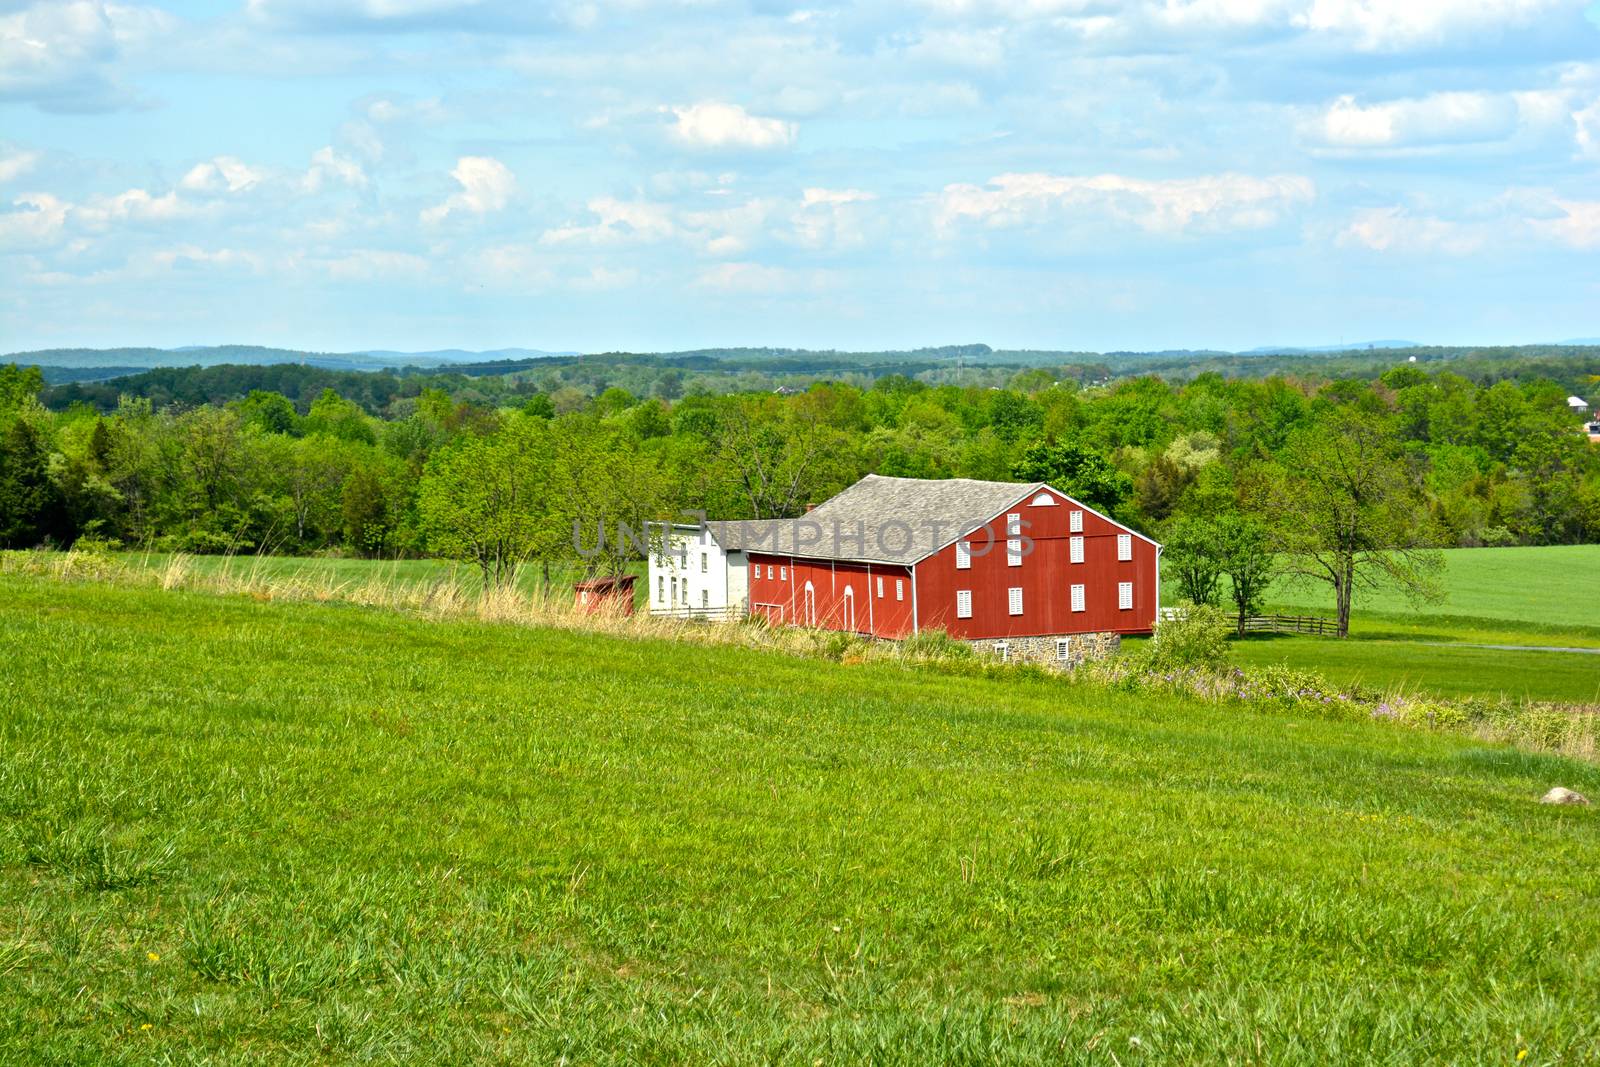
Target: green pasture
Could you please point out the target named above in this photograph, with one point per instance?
(254, 832)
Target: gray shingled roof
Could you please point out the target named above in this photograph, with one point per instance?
(881, 520)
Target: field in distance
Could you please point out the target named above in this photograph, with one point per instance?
(259, 832)
(1543, 597)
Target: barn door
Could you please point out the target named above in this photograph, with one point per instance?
(811, 605)
(850, 609)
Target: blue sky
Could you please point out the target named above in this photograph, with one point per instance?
(645, 174)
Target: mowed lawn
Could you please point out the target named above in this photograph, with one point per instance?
(1545, 597)
(234, 831)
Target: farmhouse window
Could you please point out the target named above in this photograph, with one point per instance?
(963, 556)
(963, 603)
(1125, 595)
(880, 587)
(1014, 552)
(1077, 598)
(1015, 598)
(1013, 524)
(1124, 546)
(674, 590)
(703, 562)
(899, 588)
(705, 598)
(661, 590)
(1076, 545)
(1076, 523)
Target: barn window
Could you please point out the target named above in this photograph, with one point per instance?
(1077, 598)
(769, 570)
(1015, 598)
(963, 603)
(1002, 650)
(880, 587)
(1013, 524)
(1076, 525)
(783, 574)
(1063, 649)
(1014, 552)
(899, 588)
(1124, 546)
(1125, 595)
(963, 556)
(1043, 500)
(1076, 545)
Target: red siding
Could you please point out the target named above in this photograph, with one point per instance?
(782, 598)
(1045, 577)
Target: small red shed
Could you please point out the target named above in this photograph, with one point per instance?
(611, 594)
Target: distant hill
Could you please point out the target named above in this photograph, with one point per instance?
(130, 360)
(1288, 350)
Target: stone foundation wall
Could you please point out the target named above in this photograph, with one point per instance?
(1046, 652)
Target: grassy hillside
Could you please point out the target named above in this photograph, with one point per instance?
(262, 832)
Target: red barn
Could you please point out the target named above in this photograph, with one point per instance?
(980, 560)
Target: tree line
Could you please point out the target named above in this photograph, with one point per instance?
(1349, 481)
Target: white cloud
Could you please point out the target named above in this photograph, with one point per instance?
(17, 163)
(1441, 118)
(753, 278)
(134, 205)
(369, 264)
(38, 220)
(1170, 207)
(1587, 123)
(486, 185)
(328, 165)
(1394, 229)
(1578, 224)
(1397, 25)
(618, 222)
(831, 218)
(714, 125)
(221, 174)
(57, 54)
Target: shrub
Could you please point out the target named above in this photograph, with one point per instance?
(1197, 636)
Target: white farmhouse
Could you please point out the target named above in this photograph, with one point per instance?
(1577, 403)
(700, 571)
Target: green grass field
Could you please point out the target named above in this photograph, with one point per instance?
(1546, 597)
(244, 832)
(1554, 586)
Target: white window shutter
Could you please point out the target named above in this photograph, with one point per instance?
(1077, 598)
(963, 556)
(1077, 549)
(1125, 596)
(963, 603)
(1015, 598)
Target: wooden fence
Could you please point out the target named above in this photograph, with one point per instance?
(1274, 624)
(1291, 624)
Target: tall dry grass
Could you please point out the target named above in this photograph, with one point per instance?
(1568, 729)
